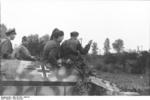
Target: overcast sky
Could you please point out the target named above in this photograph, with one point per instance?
(93, 19)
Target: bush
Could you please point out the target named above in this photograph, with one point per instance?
(36, 44)
(110, 59)
(131, 62)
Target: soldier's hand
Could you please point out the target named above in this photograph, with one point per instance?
(68, 61)
(59, 62)
(34, 58)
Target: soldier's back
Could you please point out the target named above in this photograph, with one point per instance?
(21, 53)
(69, 47)
(48, 47)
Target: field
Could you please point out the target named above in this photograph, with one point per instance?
(128, 82)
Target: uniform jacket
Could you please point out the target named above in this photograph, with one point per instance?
(5, 48)
(73, 47)
(22, 53)
(51, 52)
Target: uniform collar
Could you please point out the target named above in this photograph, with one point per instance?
(56, 41)
(8, 38)
(73, 39)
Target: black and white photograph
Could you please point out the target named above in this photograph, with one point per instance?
(74, 48)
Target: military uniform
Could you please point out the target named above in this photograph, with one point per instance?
(51, 52)
(22, 53)
(5, 48)
(72, 47)
(72, 50)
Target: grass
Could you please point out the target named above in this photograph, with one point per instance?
(128, 82)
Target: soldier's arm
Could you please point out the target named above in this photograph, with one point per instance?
(25, 54)
(52, 57)
(84, 50)
(6, 49)
(87, 47)
(14, 54)
(65, 49)
(62, 49)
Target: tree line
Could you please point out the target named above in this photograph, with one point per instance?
(118, 46)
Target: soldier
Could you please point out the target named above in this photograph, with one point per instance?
(72, 51)
(51, 52)
(73, 47)
(6, 45)
(22, 53)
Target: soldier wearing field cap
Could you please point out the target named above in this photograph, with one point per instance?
(72, 46)
(72, 51)
(6, 45)
(22, 52)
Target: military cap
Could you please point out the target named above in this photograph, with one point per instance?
(11, 31)
(74, 34)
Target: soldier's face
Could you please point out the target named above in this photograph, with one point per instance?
(12, 36)
(75, 37)
(60, 38)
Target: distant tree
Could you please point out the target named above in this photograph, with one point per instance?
(99, 50)
(144, 62)
(42, 41)
(107, 46)
(138, 49)
(94, 48)
(36, 44)
(44, 38)
(33, 44)
(3, 30)
(118, 45)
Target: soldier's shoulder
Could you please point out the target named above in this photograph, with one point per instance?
(51, 43)
(65, 41)
(21, 47)
(75, 41)
(4, 40)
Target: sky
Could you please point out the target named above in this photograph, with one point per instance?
(94, 19)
